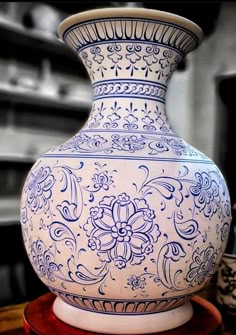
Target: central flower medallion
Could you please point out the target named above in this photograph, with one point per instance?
(122, 230)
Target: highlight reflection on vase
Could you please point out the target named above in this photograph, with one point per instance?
(126, 218)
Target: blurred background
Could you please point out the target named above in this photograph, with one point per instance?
(45, 97)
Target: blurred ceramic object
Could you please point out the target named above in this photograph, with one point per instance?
(16, 78)
(8, 11)
(26, 83)
(47, 85)
(226, 283)
(76, 92)
(43, 17)
(125, 222)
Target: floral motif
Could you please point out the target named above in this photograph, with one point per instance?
(131, 122)
(68, 210)
(102, 180)
(225, 231)
(227, 275)
(169, 254)
(24, 215)
(87, 62)
(84, 143)
(122, 230)
(75, 142)
(114, 56)
(227, 209)
(127, 143)
(114, 50)
(96, 120)
(132, 54)
(98, 117)
(96, 143)
(157, 146)
(203, 266)
(148, 123)
(136, 282)
(43, 260)
(179, 147)
(112, 121)
(131, 109)
(152, 51)
(150, 58)
(165, 62)
(133, 57)
(98, 57)
(39, 189)
(206, 193)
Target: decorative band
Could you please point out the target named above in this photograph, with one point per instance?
(129, 88)
(116, 29)
(119, 306)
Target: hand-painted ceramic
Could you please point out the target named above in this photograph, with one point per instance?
(126, 221)
(226, 283)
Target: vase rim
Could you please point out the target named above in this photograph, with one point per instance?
(129, 12)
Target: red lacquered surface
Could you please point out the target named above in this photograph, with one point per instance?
(39, 319)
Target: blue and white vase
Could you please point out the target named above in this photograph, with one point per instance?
(125, 222)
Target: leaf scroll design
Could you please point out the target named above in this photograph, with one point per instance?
(188, 229)
(71, 209)
(59, 232)
(168, 187)
(82, 275)
(169, 253)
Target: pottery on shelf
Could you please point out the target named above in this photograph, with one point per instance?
(226, 276)
(125, 222)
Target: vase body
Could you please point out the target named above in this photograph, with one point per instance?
(126, 221)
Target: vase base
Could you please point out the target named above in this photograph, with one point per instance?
(39, 319)
(122, 324)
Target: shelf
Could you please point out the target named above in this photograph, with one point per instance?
(21, 95)
(17, 34)
(9, 210)
(16, 158)
(24, 146)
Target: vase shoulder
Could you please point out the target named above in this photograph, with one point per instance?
(139, 145)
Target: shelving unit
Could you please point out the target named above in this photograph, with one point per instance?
(18, 94)
(9, 209)
(21, 144)
(33, 38)
(17, 158)
(36, 114)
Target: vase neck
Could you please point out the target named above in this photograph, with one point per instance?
(130, 48)
(126, 62)
(128, 115)
(130, 62)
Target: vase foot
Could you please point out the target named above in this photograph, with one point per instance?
(122, 324)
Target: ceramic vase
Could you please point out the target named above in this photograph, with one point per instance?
(226, 279)
(125, 222)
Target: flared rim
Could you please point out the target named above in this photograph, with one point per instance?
(131, 12)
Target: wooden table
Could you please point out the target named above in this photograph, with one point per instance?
(11, 321)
